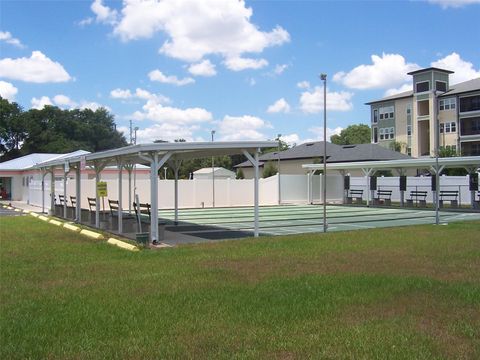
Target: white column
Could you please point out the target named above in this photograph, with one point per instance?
(43, 190)
(175, 170)
(52, 191)
(65, 174)
(120, 209)
(78, 186)
(129, 169)
(154, 198)
(97, 199)
(255, 232)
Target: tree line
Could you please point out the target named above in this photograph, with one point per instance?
(53, 130)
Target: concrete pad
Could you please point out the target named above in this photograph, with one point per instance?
(44, 218)
(34, 214)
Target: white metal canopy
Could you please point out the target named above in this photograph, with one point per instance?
(154, 155)
(470, 163)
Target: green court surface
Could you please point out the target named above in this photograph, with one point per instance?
(225, 223)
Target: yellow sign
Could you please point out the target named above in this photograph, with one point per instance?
(102, 189)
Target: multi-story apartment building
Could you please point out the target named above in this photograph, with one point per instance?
(411, 118)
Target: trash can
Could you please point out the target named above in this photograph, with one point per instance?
(142, 238)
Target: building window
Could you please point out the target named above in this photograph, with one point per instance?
(375, 135)
(471, 103)
(392, 133)
(409, 110)
(442, 128)
(441, 86)
(381, 116)
(447, 104)
(375, 116)
(382, 131)
(409, 151)
(453, 126)
(423, 107)
(422, 86)
(470, 126)
(409, 130)
(447, 127)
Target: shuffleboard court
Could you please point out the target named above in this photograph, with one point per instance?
(227, 223)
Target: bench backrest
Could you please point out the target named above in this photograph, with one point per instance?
(61, 199)
(418, 194)
(356, 192)
(384, 192)
(144, 208)
(449, 193)
(73, 200)
(113, 204)
(92, 203)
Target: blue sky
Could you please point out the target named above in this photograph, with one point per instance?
(249, 69)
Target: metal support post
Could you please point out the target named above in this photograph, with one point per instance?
(78, 187)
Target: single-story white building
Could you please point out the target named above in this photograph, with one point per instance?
(219, 172)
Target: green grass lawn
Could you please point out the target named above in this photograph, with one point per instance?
(398, 293)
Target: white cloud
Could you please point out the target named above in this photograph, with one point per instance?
(318, 132)
(196, 29)
(279, 69)
(386, 71)
(146, 95)
(9, 39)
(239, 64)
(8, 91)
(453, 3)
(103, 14)
(64, 101)
(157, 75)
(290, 139)
(37, 69)
(41, 103)
(120, 94)
(204, 68)
(303, 85)
(165, 131)
(464, 70)
(155, 111)
(92, 105)
(244, 127)
(280, 105)
(312, 102)
(395, 91)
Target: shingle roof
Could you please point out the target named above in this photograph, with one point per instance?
(335, 153)
(467, 86)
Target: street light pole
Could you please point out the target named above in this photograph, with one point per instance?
(213, 174)
(323, 77)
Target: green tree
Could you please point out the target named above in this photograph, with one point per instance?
(12, 129)
(447, 151)
(397, 146)
(353, 134)
(240, 174)
(269, 169)
(53, 130)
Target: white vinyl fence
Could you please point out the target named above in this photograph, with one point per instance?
(294, 189)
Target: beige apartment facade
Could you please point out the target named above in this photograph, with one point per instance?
(409, 120)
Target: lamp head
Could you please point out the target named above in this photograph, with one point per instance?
(323, 77)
